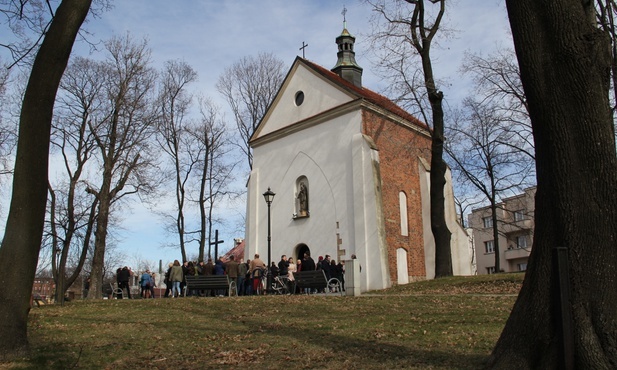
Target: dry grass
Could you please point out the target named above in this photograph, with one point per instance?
(447, 324)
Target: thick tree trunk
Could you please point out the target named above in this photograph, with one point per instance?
(24, 228)
(565, 63)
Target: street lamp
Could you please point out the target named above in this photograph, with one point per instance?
(269, 197)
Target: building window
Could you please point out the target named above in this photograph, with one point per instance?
(402, 199)
(522, 266)
(489, 246)
(490, 270)
(519, 215)
(488, 221)
(521, 241)
(299, 98)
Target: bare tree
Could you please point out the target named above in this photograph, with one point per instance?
(122, 132)
(174, 136)
(497, 83)
(487, 156)
(24, 229)
(72, 211)
(400, 31)
(564, 316)
(249, 86)
(215, 171)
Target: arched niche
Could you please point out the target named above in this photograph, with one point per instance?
(302, 198)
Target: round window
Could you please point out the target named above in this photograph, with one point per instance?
(299, 98)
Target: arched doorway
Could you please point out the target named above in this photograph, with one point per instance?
(299, 251)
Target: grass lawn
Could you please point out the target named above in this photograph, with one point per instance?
(450, 323)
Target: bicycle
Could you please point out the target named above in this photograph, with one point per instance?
(334, 286)
(280, 285)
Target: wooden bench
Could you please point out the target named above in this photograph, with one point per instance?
(316, 280)
(210, 282)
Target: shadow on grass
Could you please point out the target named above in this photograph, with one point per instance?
(365, 353)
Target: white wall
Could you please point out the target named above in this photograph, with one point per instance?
(339, 164)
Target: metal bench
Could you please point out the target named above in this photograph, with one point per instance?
(117, 292)
(211, 282)
(317, 280)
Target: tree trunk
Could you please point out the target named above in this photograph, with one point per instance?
(565, 63)
(24, 228)
(441, 233)
(100, 237)
(496, 246)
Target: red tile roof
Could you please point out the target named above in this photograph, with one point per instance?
(237, 252)
(365, 93)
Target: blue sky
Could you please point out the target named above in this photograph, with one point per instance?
(211, 35)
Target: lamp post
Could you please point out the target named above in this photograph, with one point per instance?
(269, 196)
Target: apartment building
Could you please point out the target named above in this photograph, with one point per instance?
(515, 218)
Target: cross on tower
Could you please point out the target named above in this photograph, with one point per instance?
(344, 12)
(302, 48)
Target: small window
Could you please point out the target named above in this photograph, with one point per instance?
(488, 221)
(299, 98)
(521, 241)
(519, 215)
(522, 266)
(402, 199)
(490, 270)
(489, 246)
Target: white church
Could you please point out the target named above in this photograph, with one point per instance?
(350, 170)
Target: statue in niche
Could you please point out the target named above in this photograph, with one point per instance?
(303, 200)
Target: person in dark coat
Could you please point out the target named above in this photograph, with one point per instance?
(208, 270)
(209, 267)
(341, 269)
(308, 264)
(167, 281)
(219, 267)
(283, 266)
(185, 271)
(274, 270)
(325, 266)
(124, 276)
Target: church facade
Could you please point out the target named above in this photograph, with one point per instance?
(350, 170)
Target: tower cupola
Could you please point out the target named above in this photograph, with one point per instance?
(346, 65)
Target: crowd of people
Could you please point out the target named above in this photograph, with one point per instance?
(147, 282)
(247, 275)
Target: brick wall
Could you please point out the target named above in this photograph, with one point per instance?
(399, 148)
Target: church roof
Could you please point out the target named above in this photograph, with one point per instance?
(365, 93)
(237, 252)
(349, 88)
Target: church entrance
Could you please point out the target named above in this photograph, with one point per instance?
(299, 251)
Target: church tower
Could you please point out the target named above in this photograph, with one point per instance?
(346, 66)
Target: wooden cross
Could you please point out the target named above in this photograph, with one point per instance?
(216, 243)
(302, 48)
